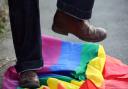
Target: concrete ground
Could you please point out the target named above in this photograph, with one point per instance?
(110, 14)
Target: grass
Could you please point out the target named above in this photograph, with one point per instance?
(3, 16)
(3, 20)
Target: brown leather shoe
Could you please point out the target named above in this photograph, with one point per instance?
(64, 24)
(29, 79)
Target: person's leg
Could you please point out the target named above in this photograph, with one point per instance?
(72, 17)
(26, 33)
(81, 9)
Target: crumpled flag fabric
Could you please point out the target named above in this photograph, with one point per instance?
(70, 65)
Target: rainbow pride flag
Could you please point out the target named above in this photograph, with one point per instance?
(70, 65)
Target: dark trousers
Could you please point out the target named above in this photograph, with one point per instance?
(25, 26)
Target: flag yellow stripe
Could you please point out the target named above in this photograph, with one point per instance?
(53, 84)
(95, 68)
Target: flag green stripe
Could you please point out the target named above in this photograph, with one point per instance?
(89, 52)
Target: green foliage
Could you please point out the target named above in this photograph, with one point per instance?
(3, 20)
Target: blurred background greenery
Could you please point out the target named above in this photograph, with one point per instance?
(3, 16)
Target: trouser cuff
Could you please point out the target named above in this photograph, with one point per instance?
(73, 11)
(32, 65)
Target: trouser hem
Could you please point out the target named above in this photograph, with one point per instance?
(73, 11)
(32, 65)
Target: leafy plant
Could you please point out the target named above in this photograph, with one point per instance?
(3, 16)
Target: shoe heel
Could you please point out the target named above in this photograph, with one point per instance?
(60, 31)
